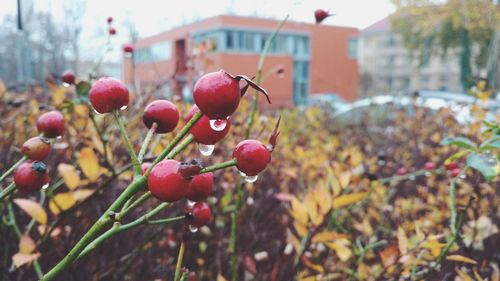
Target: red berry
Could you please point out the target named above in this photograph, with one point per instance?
(200, 187)
(217, 94)
(112, 31)
(164, 113)
(320, 15)
(68, 77)
(128, 48)
(108, 94)
(451, 166)
(51, 124)
(203, 133)
(401, 171)
(166, 183)
(455, 172)
(252, 157)
(200, 214)
(36, 148)
(110, 19)
(31, 176)
(430, 166)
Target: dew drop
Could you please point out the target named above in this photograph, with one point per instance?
(58, 137)
(96, 112)
(206, 150)
(243, 174)
(218, 124)
(66, 84)
(251, 178)
(462, 176)
(190, 203)
(123, 107)
(45, 186)
(193, 229)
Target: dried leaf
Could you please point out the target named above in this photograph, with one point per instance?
(402, 241)
(342, 248)
(62, 202)
(312, 266)
(323, 198)
(22, 259)
(389, 255)
(463, 275)
(69, 175)
(345, 179)
(33, 209)
(82, 194)
(328, 236)
(220, 277)
(26, 245)
(89, 163)
(299, 211)
(460, 258)
(348, 199)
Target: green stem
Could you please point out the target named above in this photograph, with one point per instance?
(103, 141)
(258, 77)
(232, 248)
(410, 175)
(7, 191)
(180, 147)
(12, 168)
(219, 166)
(134, 205)
(167, 220)
(146, 141)
(105, 220)
(179, 261)
(118, 228)
(128, 144)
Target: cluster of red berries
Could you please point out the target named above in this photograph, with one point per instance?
(31, 175)
(111, 30)
(217, 96)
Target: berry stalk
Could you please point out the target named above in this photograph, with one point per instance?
(7, 191)
(146, 142)
(179, 261)
(11, 169)
(135, 162)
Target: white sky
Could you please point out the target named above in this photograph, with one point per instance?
(151, 17)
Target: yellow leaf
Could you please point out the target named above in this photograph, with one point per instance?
(61, 202)
(418, 232)
(2, 89)
(299, 211)
(348, 199)
(345, 178)
(310, 204)
(389, 255)
(26, 245)
(313, 266)
(82, 194)
(341, 248)
(323, 198)
(460, 258)
(20, 259)
(300, 228)
(433, 245)
(290, 238)
(69, 175)
(82, 110)
(58, 95)
(328, 236)
(89, 163)
(221, 278)
(402, 241)
(33, 209)
(463, 275)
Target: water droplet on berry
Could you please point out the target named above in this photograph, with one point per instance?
(206, 150)
(251, 178)
(190, 203)
(218, 124)
(243, 174)
(45, 186)
(59, 137)
(97, 112)
(193, 229)
(123, 107)
(66, 84)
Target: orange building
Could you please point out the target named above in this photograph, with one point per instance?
(315, 58)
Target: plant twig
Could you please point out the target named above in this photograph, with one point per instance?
(179, 261)
(11, 188)
(146, 142)
(219, 166)
(135, 162)
(12, 168)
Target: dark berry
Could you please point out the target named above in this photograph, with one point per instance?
(51, 124)
(112, 31)
(451, 166)
(200, 187)
(252, 157)
(401, 171)
(68, 77)
(200, 214)
(430, 166)
(128, 48)
(36, 148)
(320, 15)
(108, 94)
(166, 183)
(31, 176)
(203, 133)
(163, 113)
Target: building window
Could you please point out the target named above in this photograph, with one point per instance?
(301, 81)
(352, 48)
(156, 52)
